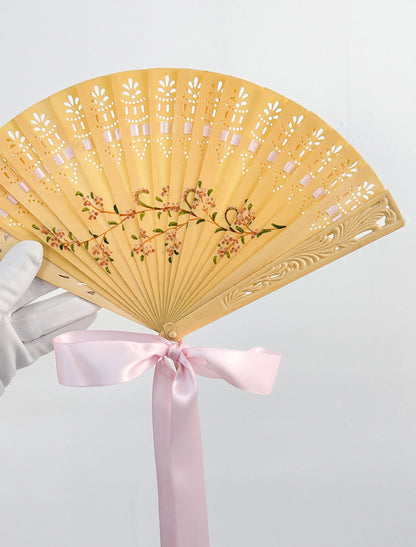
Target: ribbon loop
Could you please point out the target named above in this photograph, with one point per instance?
(98, 358)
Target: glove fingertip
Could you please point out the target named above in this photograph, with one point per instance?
(32, 249)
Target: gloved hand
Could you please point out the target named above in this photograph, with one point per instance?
(26, 327)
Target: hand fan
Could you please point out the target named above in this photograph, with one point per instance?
(175, 196)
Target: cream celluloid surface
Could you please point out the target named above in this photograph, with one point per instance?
(175, 196)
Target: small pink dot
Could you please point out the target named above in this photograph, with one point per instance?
(134, 130)
(12, 199)
(319, 192)
(288, 168)
(24, 186)
(304, 181)
(39, 173)
(253, 145)
(59, 160)
(69, 152)
(333, 210)
(224, 135)
(235, 139)
(87, 144)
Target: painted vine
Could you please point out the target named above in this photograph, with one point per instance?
(197, 205)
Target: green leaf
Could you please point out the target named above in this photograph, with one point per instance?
(159, 214)
(242, 240)
(173, 223)
(214, 215)
(141, 258)
(278, 226)
(264, 231)
(105, 240)
(35, 227)
(142, 215)
(214, 259)
(61, 246)
(92, 195)
(48, 238)
(133, 236)
(176, 252)
(110, 259)
(85, 209)
(158, 230)
(228, 254)
(210, 191)
(199, 183)
(131, 252)
(107, 269)
(170, 259)
(239, 229)
(169, 213)
(79, 194)
(220, 229)
(183, 213)
(123, 227)
(54, 230)
(200, 220)
(116, 209)
(86, 245)
(72, 247)
(112, 222)
(70, 236)
(249, 206)
(157, 198)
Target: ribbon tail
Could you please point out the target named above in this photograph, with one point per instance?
(178, 454)
(187, 462)
(162, 432)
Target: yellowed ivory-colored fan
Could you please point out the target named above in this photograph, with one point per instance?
(175, 196)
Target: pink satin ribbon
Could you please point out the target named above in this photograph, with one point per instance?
(102, 358)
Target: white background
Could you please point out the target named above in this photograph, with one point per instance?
(328, 460)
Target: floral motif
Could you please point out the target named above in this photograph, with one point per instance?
(16, 139)
(193, 89)
(99, 96)
(197, 206)
(167, 87)
(131, 90)
(40, 122)
(73, 105)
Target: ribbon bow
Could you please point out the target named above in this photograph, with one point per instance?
(102, 358)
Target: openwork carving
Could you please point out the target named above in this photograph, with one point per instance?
(359, 228)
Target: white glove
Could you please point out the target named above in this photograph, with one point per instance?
(27, 329)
